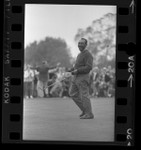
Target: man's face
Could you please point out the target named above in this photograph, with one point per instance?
(81, 44)
(44, 63)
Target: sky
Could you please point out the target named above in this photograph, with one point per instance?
(60, 21)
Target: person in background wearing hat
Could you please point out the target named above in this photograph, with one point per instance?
(43, 76)
(79, 89)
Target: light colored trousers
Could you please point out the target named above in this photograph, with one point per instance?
(41, 87)
(79, 92)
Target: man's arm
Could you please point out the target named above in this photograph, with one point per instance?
(71, 69)
(53, 67)
(33, 68)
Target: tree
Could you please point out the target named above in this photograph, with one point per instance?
(101, 35)
(53, 50)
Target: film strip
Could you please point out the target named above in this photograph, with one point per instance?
(13, 61)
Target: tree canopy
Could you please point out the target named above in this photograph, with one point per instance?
(53, 50)
(101, 35)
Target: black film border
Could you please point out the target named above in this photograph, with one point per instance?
(13, 60)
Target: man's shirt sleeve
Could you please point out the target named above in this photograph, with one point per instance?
(88, 65)
(51, 67)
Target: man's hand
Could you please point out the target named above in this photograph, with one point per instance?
(74, 72)
(67, 74)
(70, 70)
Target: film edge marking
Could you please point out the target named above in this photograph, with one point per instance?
(132, 5)
(128, 63)
(6, 89)
(129, 136)
(131, 69)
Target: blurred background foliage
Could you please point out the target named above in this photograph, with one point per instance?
(53, 50)
(101, 35)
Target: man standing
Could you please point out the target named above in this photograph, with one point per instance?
(43, 76)
(28, 82)
(79, 90)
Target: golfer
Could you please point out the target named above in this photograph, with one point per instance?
(79, 89)
(44, 76)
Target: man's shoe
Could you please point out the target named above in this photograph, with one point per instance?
(82, 114)
(87, 116)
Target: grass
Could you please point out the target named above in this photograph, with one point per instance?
(58, 119)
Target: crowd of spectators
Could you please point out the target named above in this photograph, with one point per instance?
(102, 82)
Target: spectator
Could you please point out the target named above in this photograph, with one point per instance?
(57, 88)
(66, 85)
(52, 80)
(91, 89)
(35, 81)
(101, 85)
(28, 80)
(44, 76)
(102, 81)
(107, 79)
(95, 81)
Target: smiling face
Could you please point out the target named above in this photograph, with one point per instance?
(45, 63)
(82, 44)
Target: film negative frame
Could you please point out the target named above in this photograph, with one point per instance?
(13, 60)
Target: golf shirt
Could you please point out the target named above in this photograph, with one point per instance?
(84, 62)
(43, 73)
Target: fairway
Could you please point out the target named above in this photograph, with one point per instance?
(58, 119)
